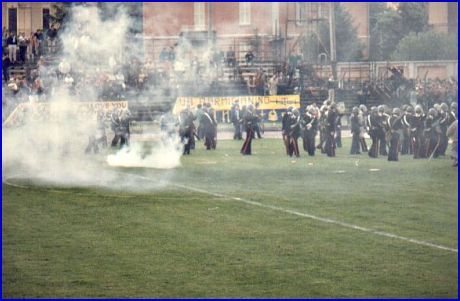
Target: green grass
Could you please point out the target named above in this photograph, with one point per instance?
(173, 242)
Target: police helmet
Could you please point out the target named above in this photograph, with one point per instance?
(355, 110)
(433, 112)
(453, 106)
(410, 110)
(418, 109)
(363, 108)
(374, 109)
(444, 107)
(381, 109)
(397, 111)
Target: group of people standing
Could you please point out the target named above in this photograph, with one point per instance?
(405, 130)
(325, 120)
(206, 128)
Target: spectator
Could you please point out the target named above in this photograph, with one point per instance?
(260, 82)
(249, 57)
(12, 43)
(231, 58)
(52, 35)
(273, 84)
(5, 66)
(22, 43)
(4, 38)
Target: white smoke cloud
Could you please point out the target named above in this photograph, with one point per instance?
(51, 146)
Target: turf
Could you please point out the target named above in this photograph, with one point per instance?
(175, 242)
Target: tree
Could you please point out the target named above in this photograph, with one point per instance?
(349, 48)
(414, 17)
(388, 26)
(429, 45)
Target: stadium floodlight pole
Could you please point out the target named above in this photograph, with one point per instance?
(333, 48)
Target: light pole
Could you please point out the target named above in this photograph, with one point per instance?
(333, 49)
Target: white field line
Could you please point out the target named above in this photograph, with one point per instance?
(293, 212)
(313, 217)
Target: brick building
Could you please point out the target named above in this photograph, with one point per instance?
(263, 26)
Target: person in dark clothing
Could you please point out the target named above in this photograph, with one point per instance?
(235, 117)
(431, 134)
(406, 147)
(395, 127)
(294, 133)
(382, 129)
(338, 131)
(331, 120)
(417, 124)
(355, 131)
(209, 129)
(443, 116)
(285, 129)
(249, 57)
(186, 128)
(309, 124)
(373, 122)
(120, 124)
(248, 123)
(6, 63)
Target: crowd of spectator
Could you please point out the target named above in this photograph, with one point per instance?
(180, 70)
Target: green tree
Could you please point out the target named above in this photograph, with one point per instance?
(429, 45)
(389, 26)
(349, 47)
(414, 17)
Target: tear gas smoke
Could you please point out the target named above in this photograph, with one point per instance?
(50, 143)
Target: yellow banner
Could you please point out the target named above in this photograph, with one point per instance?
(271, 102)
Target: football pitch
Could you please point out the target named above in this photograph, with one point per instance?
(225, 225)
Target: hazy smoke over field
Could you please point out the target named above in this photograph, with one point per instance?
(51, 140)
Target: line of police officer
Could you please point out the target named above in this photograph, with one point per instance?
(405, 130)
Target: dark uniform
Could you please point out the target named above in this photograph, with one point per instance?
(294, 133)
(120, 125)
(431, 134)
(309, 124)
(338, 131)
(248, 122)
(186, 129)
(236, 121)
(355, 131)
(330, 127)
(373, 121)
(209, 130)
(395, 127)
(443, 125)
(381, 132)
(417, 124)
(285, 128)
(407, 147)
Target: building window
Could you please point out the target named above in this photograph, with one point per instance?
(13, 19)
(300, 12)
(46, 19)
(199, 15)
(245, 13)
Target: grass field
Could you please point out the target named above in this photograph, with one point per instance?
(226, 226)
